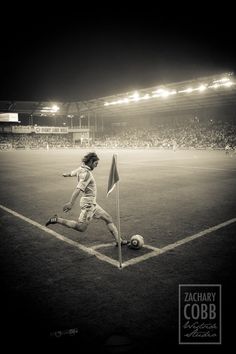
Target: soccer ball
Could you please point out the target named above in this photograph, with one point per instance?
(136, 242)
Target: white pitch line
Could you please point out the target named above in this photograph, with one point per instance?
(101, 245)
(156, 251)
(152, 248)
(88, 250)
(178, 243)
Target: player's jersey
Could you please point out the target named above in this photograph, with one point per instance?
(87, 183)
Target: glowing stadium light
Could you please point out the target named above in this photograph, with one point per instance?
(223, 80)
(135, 96)
(45, 109)
(52, 109)
(165, 93)
(228, 84)
(188, 90)
(158, 93)
(215, 86)
(173, 92)
(202, 88)
(55, 108)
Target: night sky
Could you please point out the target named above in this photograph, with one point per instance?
(71, 56)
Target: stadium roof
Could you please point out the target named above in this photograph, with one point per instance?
(204, 92)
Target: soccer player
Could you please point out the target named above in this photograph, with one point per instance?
(227, 149)
(89, 208)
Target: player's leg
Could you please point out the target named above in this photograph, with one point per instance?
(86, 215)
(79, 226)
(104, 216)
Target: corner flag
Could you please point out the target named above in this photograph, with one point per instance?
(113, 176)
(112, 181)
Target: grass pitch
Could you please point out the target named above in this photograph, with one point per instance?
(55, 292)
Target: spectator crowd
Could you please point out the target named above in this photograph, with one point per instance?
(204, 135)
(209, 135)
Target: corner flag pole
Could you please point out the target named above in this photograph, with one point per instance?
(118, 217)
(113, 181)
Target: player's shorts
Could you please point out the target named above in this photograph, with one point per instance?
(90, 210)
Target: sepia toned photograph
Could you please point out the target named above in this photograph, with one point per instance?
(117, 182)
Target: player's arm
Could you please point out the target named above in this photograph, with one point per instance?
(71, 174)
(68, 206)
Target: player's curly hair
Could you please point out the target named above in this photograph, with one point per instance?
(90, 156)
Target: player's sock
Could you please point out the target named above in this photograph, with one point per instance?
(123, 242)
